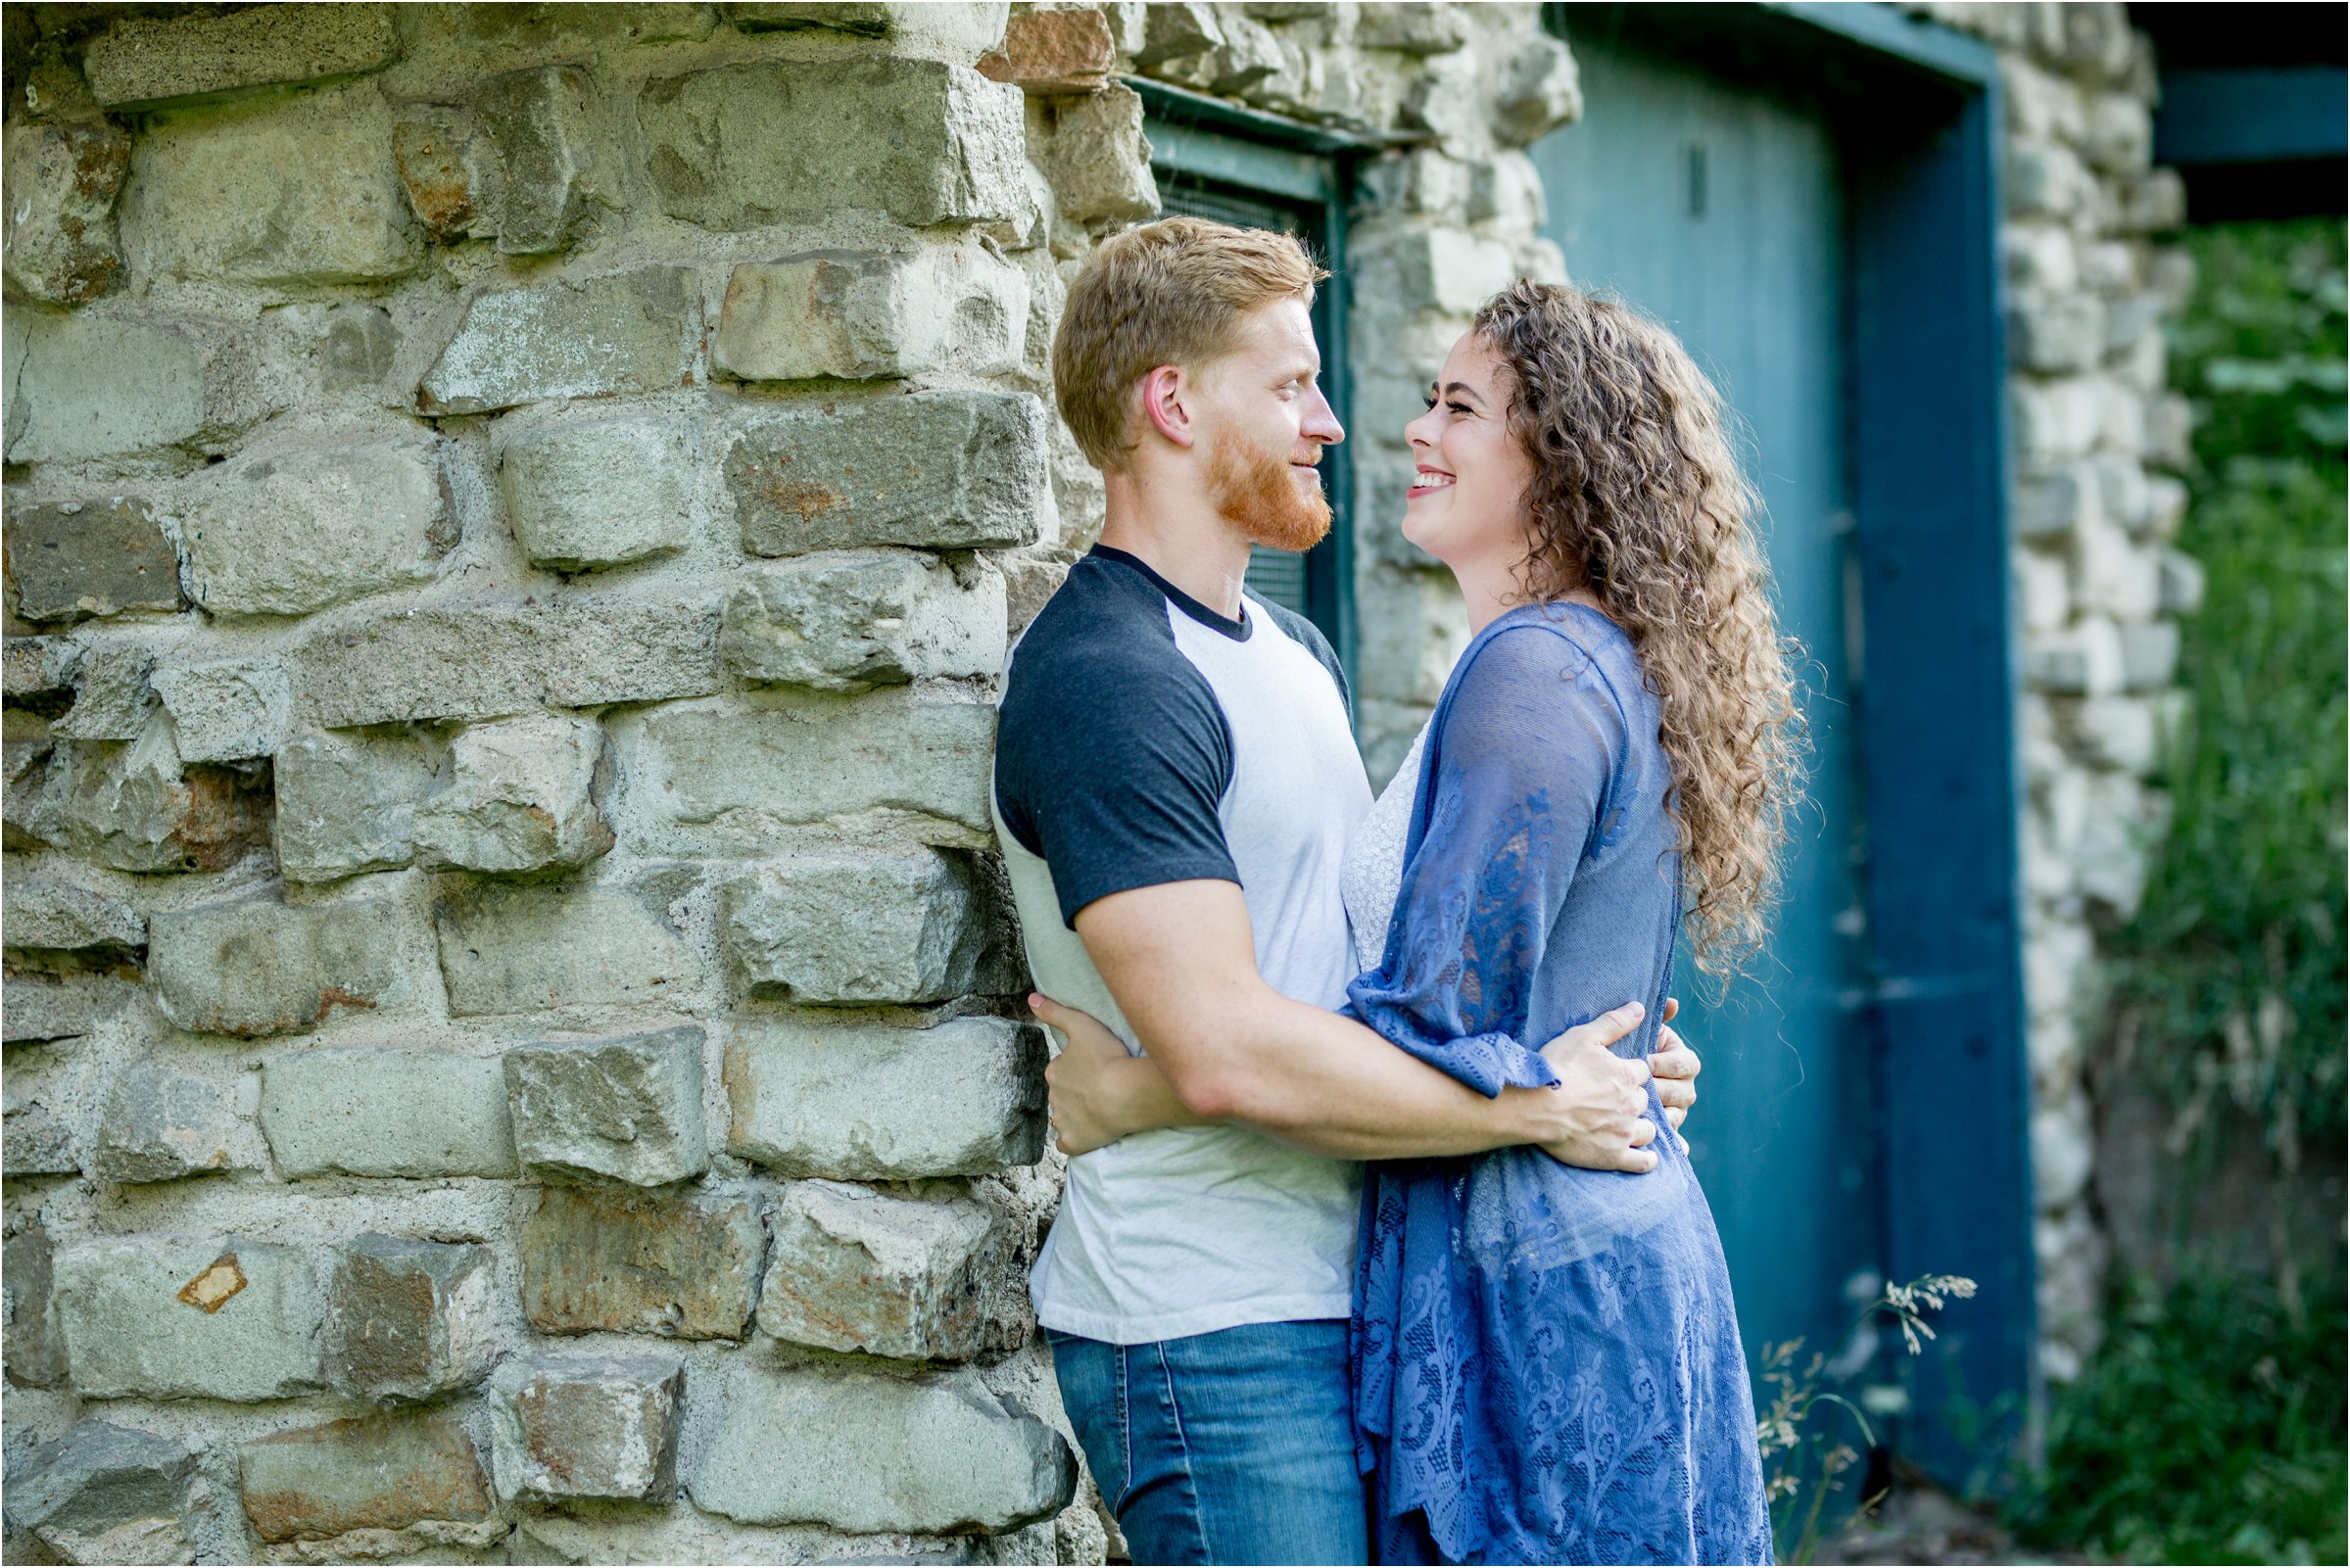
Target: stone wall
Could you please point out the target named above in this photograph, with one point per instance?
(2097, 443)
(514, 516)
(513, 520)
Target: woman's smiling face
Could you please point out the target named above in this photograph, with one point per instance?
(1468, 500)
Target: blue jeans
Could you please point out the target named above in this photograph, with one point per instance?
(1233, 1447)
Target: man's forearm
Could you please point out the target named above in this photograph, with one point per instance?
(1324, 1081)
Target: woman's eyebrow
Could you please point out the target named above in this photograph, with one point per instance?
(1461, 389)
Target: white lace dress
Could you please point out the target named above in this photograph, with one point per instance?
(1373, 871)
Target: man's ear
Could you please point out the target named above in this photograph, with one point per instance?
(1167, 403)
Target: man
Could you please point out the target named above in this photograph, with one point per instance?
(1176, 783)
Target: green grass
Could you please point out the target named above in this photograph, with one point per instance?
(2209, 1430)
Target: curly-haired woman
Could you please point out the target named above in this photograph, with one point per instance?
(1548, 1366)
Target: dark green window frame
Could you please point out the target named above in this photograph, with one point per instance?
(1217, 160)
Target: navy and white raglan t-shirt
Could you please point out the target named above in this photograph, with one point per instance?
(1145, 739)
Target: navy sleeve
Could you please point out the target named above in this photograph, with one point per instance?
(1309, 635)
(1111, 769)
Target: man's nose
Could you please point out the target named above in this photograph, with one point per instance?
(1322, 423)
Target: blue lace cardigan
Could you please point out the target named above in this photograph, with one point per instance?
(1547, 1368)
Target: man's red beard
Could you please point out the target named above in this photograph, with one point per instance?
(1261, 496)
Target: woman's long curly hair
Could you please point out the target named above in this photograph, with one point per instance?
(1638, 498)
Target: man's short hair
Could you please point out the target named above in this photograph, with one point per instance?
(1168, 293)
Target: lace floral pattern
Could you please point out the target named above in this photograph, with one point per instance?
(1547, 1363)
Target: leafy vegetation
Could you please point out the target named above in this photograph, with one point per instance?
(2208, 1431)
(2210, 1428)
(2231, 979)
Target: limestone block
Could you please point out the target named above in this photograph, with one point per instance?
(518, 796)
(2169, 425)
(2058, 335)
(447, 172)
(1446, 269)
(624, 332)
(588, 1426)
(345, 804)
(905, 925)
(1415, 30)
(859, 619)
(744, 146)
(300, 191)
(37, 1140)
(2165, 499)
(519, 947)
(2043, 590)
(950, 470)
(38, 671)
(855, 1270)
(1054, 53)
(498, 656)
(2061, 1149)
(362, 1110)
(1506, 190)
(2180, 583)
(2056, 422)
(543, 124)
(86, 386)
(2045, 179)
(889, 759)
(157, 1124)
(113, 693)
(2052, 507)
(145, 62)
(2114, 839)
(49, 909)
(2123, 733)
(864, 1102)
(35, 1357)
(2126, 492)
(2041, 258)
(595, 1258)
(1540, 91)
(865, 1452)
(160, 1317)
(621, 1110)
(107, 1494)
(59, 238)
(856, 316)
(377, 1472)
(134, 807)
(1178, 31)
(2149, 655)
(1422, 629)
(960, 31)
(258, 966)
(2112, 574)
(598, 494)
(408, 1319)
(291, 532)
(1098, 161)
(57, 1006)
(2083, 660)
(225, 710)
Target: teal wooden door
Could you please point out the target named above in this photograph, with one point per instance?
(1719, 209)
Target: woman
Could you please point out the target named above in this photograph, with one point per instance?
(1548, 1366)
